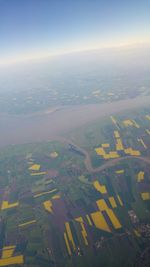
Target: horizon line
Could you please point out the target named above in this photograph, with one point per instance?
(43, 56)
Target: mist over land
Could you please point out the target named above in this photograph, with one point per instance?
(95, 76)
(44, 99)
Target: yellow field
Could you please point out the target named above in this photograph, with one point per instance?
(114, 219)
(113, 155)
(101, 188)
(48, 205)
(120, 171)
(45, 193)
(27, 223)
(114, 121)
(67, 244)
(136, 124)
(131, 123)
(89, 220)
(8, 252)
(119, 145)
(56, 197)
(99, 221)
(37, 173)
(140, 176)
(112, 202)
(132, 152)
(12, 261)
(6, 205)
(145, 195)
(120, 201)
(102, 205)
(101, 152)
(148, 117)
(105, 145)
(137, 233)
(128, 123)
(142, 142)
(84, 233)
(35, 167)
(69, 234)
(148, 131)
(116, 134)
(7, 257)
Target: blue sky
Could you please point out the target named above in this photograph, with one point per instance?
(36, 28)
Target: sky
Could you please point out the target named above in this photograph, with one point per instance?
(33, 29)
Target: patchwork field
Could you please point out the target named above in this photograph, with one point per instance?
(83, 200)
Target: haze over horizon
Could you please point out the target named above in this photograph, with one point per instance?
(39, 29)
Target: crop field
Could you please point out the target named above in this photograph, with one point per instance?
(80, 201)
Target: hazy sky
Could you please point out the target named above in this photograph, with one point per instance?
(37, 28)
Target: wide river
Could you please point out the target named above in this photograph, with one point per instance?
(21, 129)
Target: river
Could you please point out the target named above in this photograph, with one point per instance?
(19, 129)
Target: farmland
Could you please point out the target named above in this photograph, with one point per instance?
(82, 200)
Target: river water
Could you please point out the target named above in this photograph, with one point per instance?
(19, 129)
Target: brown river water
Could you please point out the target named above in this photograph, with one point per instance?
(20, 129)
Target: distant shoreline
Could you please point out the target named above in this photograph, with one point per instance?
(48, 125)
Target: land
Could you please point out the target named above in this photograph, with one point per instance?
(92, 77)
(51, 124)
(81, 199)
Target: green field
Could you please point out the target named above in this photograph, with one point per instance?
(65, 205)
